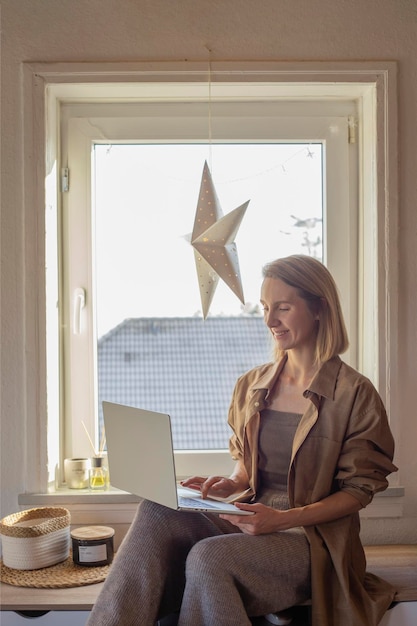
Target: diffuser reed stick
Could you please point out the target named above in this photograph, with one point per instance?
(102, 441)
(89, 438)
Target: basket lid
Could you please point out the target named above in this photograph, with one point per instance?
(94, 533)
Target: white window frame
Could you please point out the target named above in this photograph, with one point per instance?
(260, 120)
(371, 85)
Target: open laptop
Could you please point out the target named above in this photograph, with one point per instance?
(141, 460)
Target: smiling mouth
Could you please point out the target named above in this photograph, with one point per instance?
(279, 333)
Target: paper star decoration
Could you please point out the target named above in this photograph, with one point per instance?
(212, 238)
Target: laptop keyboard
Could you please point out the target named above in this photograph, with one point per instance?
(196, 503)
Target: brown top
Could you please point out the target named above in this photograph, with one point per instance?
(276, 434)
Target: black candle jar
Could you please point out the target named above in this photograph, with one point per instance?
(92, 546)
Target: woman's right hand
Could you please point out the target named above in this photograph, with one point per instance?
(216, 486)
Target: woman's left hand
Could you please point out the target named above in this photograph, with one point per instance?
(269, 520)
(264, 521)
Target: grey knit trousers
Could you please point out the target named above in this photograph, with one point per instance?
(203, 567)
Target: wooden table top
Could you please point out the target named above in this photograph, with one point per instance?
(395, 563)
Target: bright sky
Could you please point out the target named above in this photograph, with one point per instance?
(146, 198)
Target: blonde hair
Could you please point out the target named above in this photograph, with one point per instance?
(317, 287)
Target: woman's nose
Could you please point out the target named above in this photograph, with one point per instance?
(271, 319)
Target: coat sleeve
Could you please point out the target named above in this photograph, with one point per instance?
(236, 421)
(368, 447)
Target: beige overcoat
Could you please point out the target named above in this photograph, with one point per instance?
(343, 442)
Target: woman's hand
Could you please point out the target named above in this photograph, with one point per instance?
(219, 486)
(269, 520)
(264, 521)
(212, 486)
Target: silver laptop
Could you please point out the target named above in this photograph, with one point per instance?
(141, 460)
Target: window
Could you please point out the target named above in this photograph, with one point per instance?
(97, 108)
(292, 161)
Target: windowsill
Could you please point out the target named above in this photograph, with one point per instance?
(117, 505)
(113, 507)
(63, 495)
(388, 503)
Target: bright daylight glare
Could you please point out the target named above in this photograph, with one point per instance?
(154, 349)
(145, 203)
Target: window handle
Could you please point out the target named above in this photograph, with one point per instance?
(78, 304)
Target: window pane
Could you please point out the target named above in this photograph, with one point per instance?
(154, 348)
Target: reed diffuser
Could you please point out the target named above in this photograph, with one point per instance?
(98, 474)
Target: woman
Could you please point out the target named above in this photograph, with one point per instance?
(312, 446)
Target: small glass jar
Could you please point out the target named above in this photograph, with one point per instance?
(98, 475)
(92, 546)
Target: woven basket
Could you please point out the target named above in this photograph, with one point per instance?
(35, 538)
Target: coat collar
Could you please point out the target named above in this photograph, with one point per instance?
(267, 381)
(323, 383)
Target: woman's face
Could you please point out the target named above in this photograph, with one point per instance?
(287, 315)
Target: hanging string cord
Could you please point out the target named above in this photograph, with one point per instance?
(210, 157)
